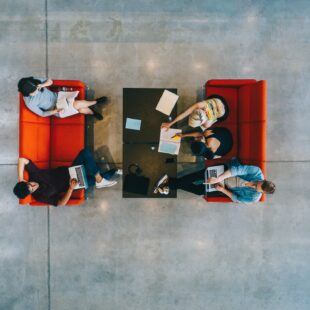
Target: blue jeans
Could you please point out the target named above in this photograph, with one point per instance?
(86, 159)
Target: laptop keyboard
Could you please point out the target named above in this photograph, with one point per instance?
(79, 176)
(211, 174)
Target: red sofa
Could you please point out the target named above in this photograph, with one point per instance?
(247, 122)
(50, 141)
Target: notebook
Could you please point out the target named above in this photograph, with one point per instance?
(78, 173)
(167, 102)
(168, 143)
(134, 124)
(213, 171)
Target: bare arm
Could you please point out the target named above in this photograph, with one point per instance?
(191, 134)
(224, 190)
(220, 178)
(184, 114)
(47, 83)
(21, 167)
(64, 200)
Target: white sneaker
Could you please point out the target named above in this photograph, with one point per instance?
(164, 190)
(105, 183)
(119, 171)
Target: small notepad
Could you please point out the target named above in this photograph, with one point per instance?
(134, 124)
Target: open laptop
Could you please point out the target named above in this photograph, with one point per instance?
(213, 171)
(78, 173)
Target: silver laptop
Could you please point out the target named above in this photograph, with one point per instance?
(213, 171)
(78, 173)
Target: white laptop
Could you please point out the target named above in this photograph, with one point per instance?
(213, 171)
(78, 173)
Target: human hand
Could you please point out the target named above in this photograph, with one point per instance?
(213, 180)
(40, 86)
(166, 125)
(73, 183)
(58, 110)
(219, 187)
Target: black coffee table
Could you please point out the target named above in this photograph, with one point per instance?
(141, 147)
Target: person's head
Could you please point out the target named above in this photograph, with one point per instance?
(200, 149)
(222, 105)
(267, 187)
(28, 86)
(23, 189)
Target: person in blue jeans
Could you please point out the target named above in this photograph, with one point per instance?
(242, 183)
(54, 186)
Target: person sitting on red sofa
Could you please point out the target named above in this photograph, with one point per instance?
(48, 185)
(204, 114)
(211, 144)
(242, 183)
(42, 101)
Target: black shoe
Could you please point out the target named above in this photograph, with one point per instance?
(101, 100)
(97, 115)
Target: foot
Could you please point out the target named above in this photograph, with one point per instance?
(164, 190)
(97, 115)
(101, 100)
(162, 181)
(119, 171)
(105, 183)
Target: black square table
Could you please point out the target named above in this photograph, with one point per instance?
(141, 147)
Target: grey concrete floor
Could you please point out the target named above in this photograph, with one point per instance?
(117, 254)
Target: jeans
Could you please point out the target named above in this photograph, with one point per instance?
(85, 158)
(186, 183)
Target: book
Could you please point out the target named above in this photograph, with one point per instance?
(168, 143)
(167, 102)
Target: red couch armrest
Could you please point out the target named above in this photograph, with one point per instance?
(230, 83)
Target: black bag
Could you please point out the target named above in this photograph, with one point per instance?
(134, 182)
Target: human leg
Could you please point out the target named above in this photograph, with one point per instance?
(79, 104)
(186, 183)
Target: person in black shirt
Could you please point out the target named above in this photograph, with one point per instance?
(53, 186)
(212, 143)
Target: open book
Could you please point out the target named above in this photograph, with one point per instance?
(168, 143)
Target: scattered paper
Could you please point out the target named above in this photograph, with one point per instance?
(134, 124)
(167, 102)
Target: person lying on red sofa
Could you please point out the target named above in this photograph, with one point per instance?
(53, 186)
(204, 114)
(242, 183)
(43, 102)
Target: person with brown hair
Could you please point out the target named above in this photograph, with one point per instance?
(242, 183)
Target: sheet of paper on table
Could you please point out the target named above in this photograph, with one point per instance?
(168, 143)
(167, 102)
(134, 124)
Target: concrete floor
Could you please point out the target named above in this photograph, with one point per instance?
(117, 254)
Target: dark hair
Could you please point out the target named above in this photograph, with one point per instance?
(268, 187)
(200, 149)
(222, 118)
(28, 85)
(21, 190)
